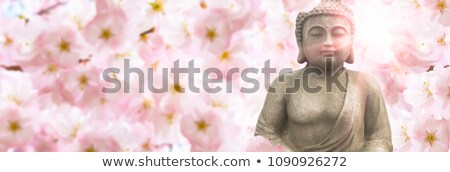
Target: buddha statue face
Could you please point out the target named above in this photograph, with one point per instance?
(326, 36)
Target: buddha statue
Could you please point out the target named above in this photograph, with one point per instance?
(349, 116)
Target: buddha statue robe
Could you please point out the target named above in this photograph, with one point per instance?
(361, 125)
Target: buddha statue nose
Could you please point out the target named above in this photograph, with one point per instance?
(328, 42)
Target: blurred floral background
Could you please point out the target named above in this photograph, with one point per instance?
(53, 52)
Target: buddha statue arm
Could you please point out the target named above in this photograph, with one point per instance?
(272, 118)
(377, 128)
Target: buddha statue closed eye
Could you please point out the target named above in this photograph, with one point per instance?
(347, 115)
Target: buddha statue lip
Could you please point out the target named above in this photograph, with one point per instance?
(327, 53)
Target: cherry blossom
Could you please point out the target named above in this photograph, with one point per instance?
(62, 47)
(202, 130)
(107, 29)
(402, 128)
(17, 127)
(440, 9)
(16, 88)
(430, 135)
(418, 91)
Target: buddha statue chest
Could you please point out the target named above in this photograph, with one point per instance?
(307, 108)
(313, 113)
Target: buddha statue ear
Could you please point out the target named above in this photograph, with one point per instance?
(301, 55)
(351, 58)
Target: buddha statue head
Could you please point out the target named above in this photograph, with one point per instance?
(325, 32)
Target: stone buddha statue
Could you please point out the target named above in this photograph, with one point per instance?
(347, 115)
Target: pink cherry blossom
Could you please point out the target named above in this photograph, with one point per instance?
(418, 92)
(66, 122)
(232, 56)
(17, 40)
(213, 35)
(402, 128)
(176, 30)
(168, 120)
(81, 86)
(16, 88)
(63, 47)
(430, 135)
(202, 130)
(143, 106)
(440, 9)
(17, 127)
(107, 29)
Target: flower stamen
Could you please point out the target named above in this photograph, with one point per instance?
(202, 125)
(426, 89)
(441, 6)
(431, 138)
(14, 126)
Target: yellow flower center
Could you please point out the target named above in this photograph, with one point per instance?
(64, 46)
(143, 37)
(83, 80)
(441, 41)
(90, 149)
(9, 41)
(441, 5)
(426, 89)
(52, 68)
(431, 138)
(225, 55)
(417, 4)
(219, 105)
(186, 30)
(280, 45)
(170, 117)
(157, 6)
(14, 126)
(106, 34)
(123, 55)
(115, 75)
(102, 101)
(203, 5)
(177, 88)
(148, 103)
(211, 34)
(146, 145)
(201, 125)
(155, 65)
